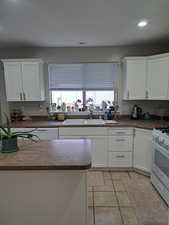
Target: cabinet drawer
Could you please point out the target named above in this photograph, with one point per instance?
(83, 131)
(120, 131)
(120, 143)
(120, 159)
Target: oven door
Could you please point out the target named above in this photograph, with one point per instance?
(160, 166)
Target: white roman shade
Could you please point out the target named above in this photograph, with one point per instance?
(103, 76)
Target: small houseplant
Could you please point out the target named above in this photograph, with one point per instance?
(10, 139)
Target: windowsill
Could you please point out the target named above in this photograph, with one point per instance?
(82, 113)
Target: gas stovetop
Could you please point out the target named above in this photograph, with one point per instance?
(164, 130)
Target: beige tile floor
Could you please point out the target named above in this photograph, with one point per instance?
(124, 198)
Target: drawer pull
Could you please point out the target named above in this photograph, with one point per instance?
(120, 156)
(41, 130)
(121, 132)
(120, 139)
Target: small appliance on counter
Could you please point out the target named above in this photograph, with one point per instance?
(109, 114)
(60, 116)
(165, 118)
(147, 116)
(136, 113)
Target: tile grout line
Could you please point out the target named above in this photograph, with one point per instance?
(118, 203)
(129, 175)
(133, 206)
(94, 221)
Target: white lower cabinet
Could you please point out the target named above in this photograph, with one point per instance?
(143, 149)
(120, 143)
(111, 147)
(99, 151)
(120, 159)
(98, 139)
(120, 147)
(42, 133)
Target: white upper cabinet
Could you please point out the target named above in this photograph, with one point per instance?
(13, 80)
(32, 81)
(24, 80)
(146, 77)
(158, 78)
(135, 78)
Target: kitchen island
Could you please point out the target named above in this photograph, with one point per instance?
(45, 183)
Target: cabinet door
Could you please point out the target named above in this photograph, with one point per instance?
(99, 151)
(143, 150)
(13, 81)
(120, 143)
(46, 133)
(42, 133)
(32, 81)
(120, 159)
(136, 79)
(70, 137)
(158, 78)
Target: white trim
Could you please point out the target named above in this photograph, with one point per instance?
(23, 60)
(164, 55)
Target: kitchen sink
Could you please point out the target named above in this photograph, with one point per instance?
(87, 122)
(74, 122)
(94, 121)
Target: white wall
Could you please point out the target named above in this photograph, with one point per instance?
(87, 54)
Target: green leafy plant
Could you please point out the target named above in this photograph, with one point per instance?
(6, 132)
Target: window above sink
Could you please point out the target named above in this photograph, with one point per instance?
(81, 100)
(83, 87)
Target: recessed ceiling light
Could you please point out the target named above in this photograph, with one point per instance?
(142, 23)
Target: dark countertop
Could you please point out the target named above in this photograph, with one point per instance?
(49, 155)
(149, 124)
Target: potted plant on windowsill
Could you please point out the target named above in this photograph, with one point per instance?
(10, 139)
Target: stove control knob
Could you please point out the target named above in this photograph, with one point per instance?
(165, 145)
(160, 140)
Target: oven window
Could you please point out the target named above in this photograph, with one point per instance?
(162, 162)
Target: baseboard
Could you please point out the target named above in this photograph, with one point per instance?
(142, 172)
(120, 169)
(124, 169)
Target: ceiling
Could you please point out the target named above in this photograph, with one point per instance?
(62, 23)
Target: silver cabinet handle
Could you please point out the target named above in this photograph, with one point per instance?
(120, 156)
(128, 94)
(121, 132)
(146, 94)
(21, 96)
(120, 139)
(40, 130)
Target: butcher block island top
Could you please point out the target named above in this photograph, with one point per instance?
(49, 155)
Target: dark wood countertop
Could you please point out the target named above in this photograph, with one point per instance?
(149, 124)
(49, 155)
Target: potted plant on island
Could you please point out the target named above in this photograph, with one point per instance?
(10, 139)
